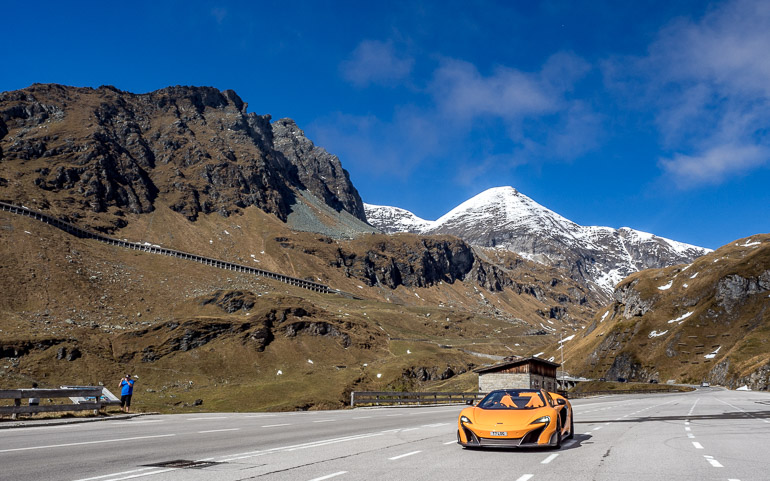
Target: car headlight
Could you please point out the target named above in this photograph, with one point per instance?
(543, 419)
(465, 419)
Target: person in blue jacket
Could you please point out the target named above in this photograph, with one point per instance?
(126, 386)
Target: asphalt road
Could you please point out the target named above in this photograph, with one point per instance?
(709, 434)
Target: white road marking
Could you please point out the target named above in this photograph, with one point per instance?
(323, 442)
(404, 455)
(219, 430)
(206, 419)
(139, 422)
(409, 429)
(324, 421)
(329, 476)
(697, 445)
(275, 425)
(261, 416)
(687, 428)
(549, 459)
(363, 417)
(713, 462)
(693, 407)
(31, 448)
(393, 415)
(151, 473)
(450, 442)
(690, 435)
(525, 477)
(597, 428)
(113, 474)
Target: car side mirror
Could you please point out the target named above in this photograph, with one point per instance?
(561, 402)
(469, 402)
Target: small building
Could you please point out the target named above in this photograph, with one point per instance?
(518, 373)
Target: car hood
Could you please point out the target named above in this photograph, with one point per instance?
(520, 417)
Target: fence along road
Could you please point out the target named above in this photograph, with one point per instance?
(152, 249)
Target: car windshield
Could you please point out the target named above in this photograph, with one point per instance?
(513, 399)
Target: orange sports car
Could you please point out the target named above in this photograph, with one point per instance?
(511, 418)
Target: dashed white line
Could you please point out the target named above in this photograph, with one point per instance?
(597, 428)
(404, 455)
(275, 425)
(450, 442)
(219, 430)
(713, 461)
(526, 477)
(549, 458)
(363, 417)
(329, 476)
(207, 418)
(687, 428)
(114, 474)
(30, 448)
(324, 421)
(697, 445)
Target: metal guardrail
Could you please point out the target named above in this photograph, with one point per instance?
(154, 249)
(394, 397)
(18, 394)
(578, 395)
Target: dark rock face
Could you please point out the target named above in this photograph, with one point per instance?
(733, 290)
(196, 148)
(431, 262)
(317, 170)
(630, 299)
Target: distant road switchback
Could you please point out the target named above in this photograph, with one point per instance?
(708, 434)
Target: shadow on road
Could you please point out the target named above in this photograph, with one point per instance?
(693, 417)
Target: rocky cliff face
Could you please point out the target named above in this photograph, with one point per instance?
(102, 151)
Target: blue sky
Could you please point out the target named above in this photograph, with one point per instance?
(653, 115)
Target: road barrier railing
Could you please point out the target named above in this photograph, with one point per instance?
(578, 395)
(155, 249)
(21, 405)
(378, 398)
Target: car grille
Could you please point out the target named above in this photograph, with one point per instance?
(499, 442)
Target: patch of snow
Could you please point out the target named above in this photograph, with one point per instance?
(379, 375)
(567, 339)
(743, 388)
(360, 287)
(408, 351)
(604, 316)
(227, 233)
(681, 318)
(694, 275)
(713, 354)
(656, 334)
(211, 241)
(279, 373)
(310, 361)
(538, 354)
(685, 286)
(750, 244)
(261, 252)
(28, 232)
(667, 286)
(551, 359)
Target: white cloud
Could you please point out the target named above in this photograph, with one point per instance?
(709, 80)
(533, 108)
(376, 62)
(713, 165)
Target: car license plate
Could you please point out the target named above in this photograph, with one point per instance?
(498, 433)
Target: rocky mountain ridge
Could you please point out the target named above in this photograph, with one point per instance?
(98, 154)
(504, 218)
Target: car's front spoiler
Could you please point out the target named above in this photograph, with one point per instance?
(529, 440)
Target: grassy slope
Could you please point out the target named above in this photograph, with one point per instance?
(741, 333)
(114, 305)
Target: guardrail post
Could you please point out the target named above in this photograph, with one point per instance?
(352, 398)
(17, 403)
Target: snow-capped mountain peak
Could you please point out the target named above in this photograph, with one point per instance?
(504, 218)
